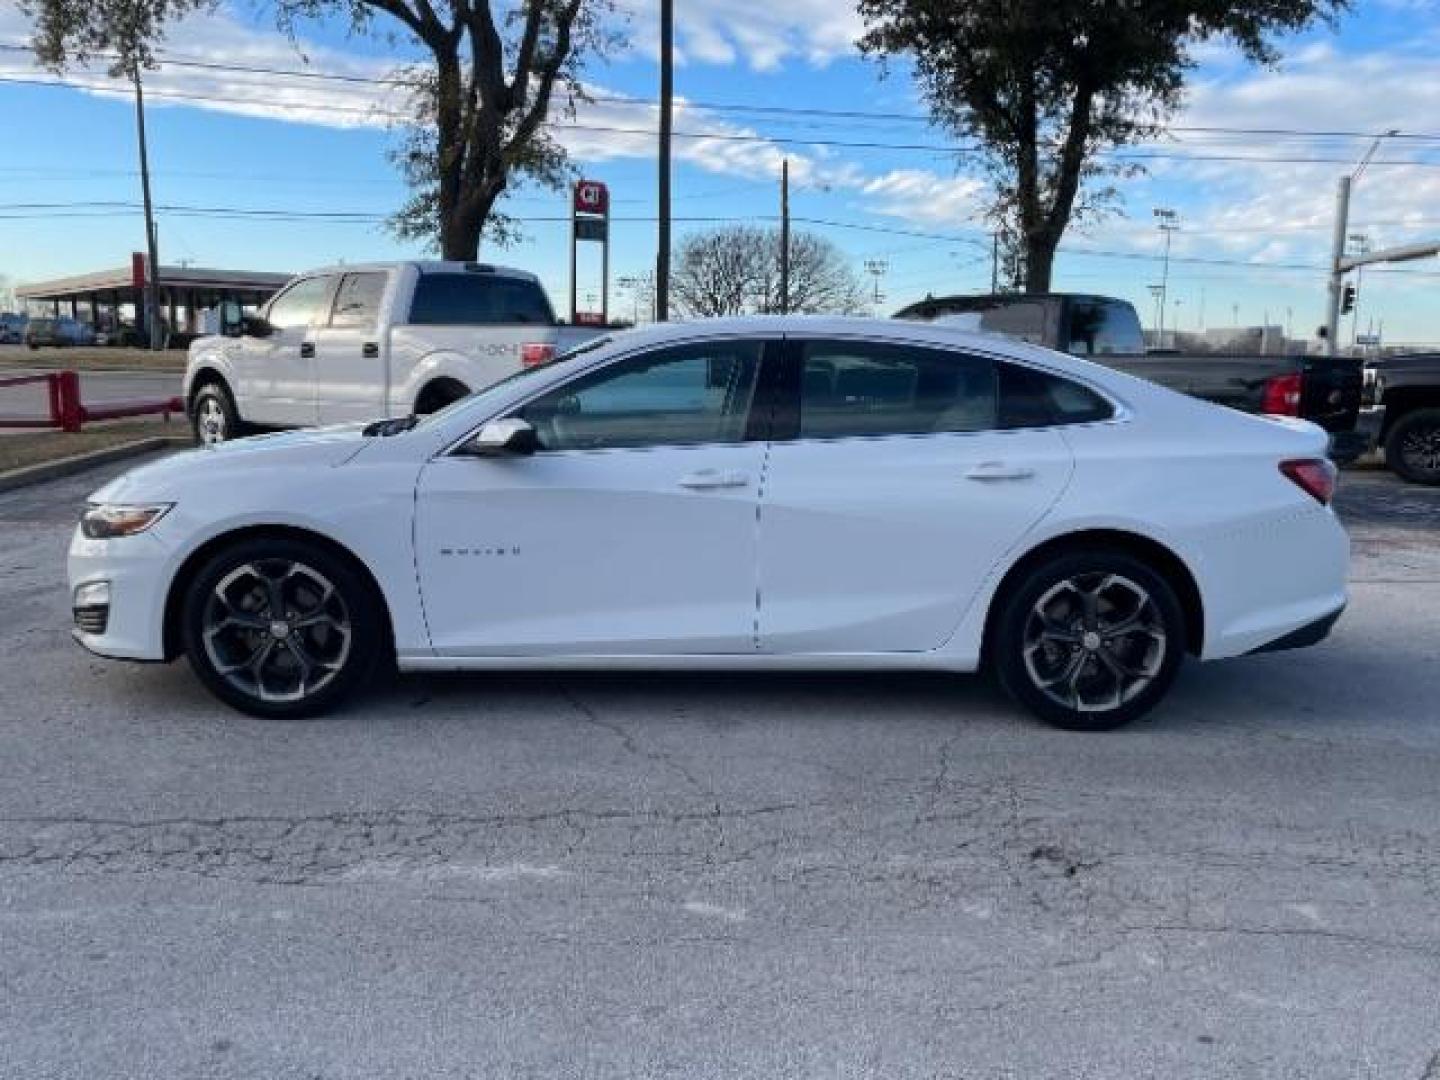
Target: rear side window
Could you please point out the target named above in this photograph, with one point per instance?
(1030, 398)
(471, 299)
(357, 301)
(871, 388)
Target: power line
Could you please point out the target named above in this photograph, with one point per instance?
(179, 60)
(727, 137)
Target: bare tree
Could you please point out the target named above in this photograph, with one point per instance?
(735, 270)
(495, 72)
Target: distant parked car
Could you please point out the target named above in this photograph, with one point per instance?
(58, 332)
(12, 328)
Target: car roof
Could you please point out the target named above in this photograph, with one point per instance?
(826, 325)
(425, 266)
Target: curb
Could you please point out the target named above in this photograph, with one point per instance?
(62, 467)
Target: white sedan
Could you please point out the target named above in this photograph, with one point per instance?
(796, 494)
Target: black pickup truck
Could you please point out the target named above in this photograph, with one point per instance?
(1325, 390)
(1400, 413)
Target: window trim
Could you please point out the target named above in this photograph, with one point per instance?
(758, 424)
(793, 361)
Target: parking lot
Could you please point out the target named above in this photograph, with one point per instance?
(678, 876)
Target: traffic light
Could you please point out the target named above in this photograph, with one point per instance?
(1347, 300)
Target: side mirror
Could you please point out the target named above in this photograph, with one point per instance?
(255, 326)
(500, 438)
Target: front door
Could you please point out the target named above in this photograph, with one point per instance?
(630, 532)
(276, 372)
(350, 357)
(894, 497)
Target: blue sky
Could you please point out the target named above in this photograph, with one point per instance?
(1254, 232)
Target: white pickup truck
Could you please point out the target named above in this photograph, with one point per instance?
(367, 342)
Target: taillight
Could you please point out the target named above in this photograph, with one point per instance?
(1282, 395)
(1315, 476)
(536, 353)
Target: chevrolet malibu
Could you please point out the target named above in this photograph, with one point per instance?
(759, 494)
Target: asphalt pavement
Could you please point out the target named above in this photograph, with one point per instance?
(715, 877)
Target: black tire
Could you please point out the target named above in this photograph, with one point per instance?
(213, 416)
(438, 394)
(1412, 449)
(1045, 629)
(332, 638)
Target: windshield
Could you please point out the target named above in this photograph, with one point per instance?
(510, 380)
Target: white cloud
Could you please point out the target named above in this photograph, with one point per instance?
(758, 34)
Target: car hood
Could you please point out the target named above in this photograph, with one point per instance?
(316, 448)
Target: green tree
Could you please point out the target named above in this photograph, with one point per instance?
(1047, 87)
(494, 74)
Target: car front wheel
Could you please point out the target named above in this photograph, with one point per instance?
(1090, 640)
(281, 628)
(1412, 449)
(213, 415)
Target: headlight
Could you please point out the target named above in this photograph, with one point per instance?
(108, 520)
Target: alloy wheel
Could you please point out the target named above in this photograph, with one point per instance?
(277, 630)
(1094, 641)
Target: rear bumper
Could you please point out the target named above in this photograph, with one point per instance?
(1311, 633)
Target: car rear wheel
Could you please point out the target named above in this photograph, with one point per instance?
(281, 628)
(213, 416)
(1412, 449)
(1089, 641)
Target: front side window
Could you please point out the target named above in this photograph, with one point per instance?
(299, 305)
(357, 301)
(684, 395)
(864, 388)
(477, 299)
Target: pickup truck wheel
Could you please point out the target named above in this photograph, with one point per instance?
(1412, 449)
(213, 416)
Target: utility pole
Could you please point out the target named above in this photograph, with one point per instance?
(152, 242)
(1362, 247)
(785, 236)
(1168, 221)
(667, 97)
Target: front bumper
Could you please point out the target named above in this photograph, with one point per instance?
(135, 568)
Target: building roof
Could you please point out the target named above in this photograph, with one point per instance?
(122, 280)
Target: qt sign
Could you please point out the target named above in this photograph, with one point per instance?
(592, 197)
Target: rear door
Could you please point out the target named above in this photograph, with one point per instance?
(350, 356)
(276, 373)
(892, 495)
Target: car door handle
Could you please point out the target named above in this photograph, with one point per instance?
(370, 350)
(998, 470)
(713, 478)
(307, 350)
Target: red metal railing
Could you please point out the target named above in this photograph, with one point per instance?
(68, 413)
